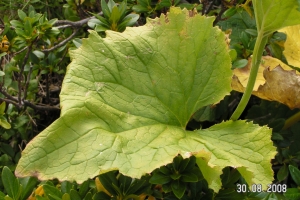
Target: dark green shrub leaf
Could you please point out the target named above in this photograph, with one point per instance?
(189, 177)
(283, 173)
(292, 194)
(160, 178)
(229, 194)
(295, 173)
(175, 176)
(84, 188)
(74, 195)
(10, 183)
(178, 188)
(165, 170)
(28, 184)
(52, 192)
(101, 196)
(66, 187)
(66, 196)
(88, 196)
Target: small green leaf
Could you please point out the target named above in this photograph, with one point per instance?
(16, 24)
(189, 177)
(88, 196)
(277, 136)
(39, 54)
(22, 15)
(105, 9)
(74, 195)
(178, 188)
(176, 162)
(230, 12)
(252, 32)
(10, 183)
(231, 194)
(122, 9)
(100, 28)
(283, 173)
(124, 182)
(233, 54)
(295, 174)
(140, 8)
(84, 188)
(101, 195)
(115, 15)
(109, 179)
(292, 193)
(139, 186)
(2, 108)
(160, 178)
(66, 196)
(239, 63)
(165, 170)
(6, 148)
(175, 176)
(52, 192)
(77, 42)
(111, 4)
(93, 22)
(28, 184)
(66, 187)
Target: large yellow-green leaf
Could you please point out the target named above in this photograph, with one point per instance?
(126, 100)
(272, 15)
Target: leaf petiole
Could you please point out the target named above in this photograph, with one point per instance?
(260, 43)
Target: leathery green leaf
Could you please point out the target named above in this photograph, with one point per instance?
(127, 98)
(272, 15)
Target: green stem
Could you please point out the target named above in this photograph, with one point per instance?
(291, 121)
(260, 43)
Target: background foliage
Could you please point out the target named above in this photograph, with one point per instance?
(35, 41)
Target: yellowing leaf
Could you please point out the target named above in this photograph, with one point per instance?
(4, 45)
(275, 81)
(243, 73)
(247, 8)
(292, 45)
(38, 192)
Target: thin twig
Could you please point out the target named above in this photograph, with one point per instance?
(78, 24)
(47, 89)
(14, 101)
(8, 95)
(206, 11)
(62, 57)
(20, 51)
(21, 74)
(41, 107)
(27, 82)
(62, 43)
(10, 101)
(32, 120)
(219, 17)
